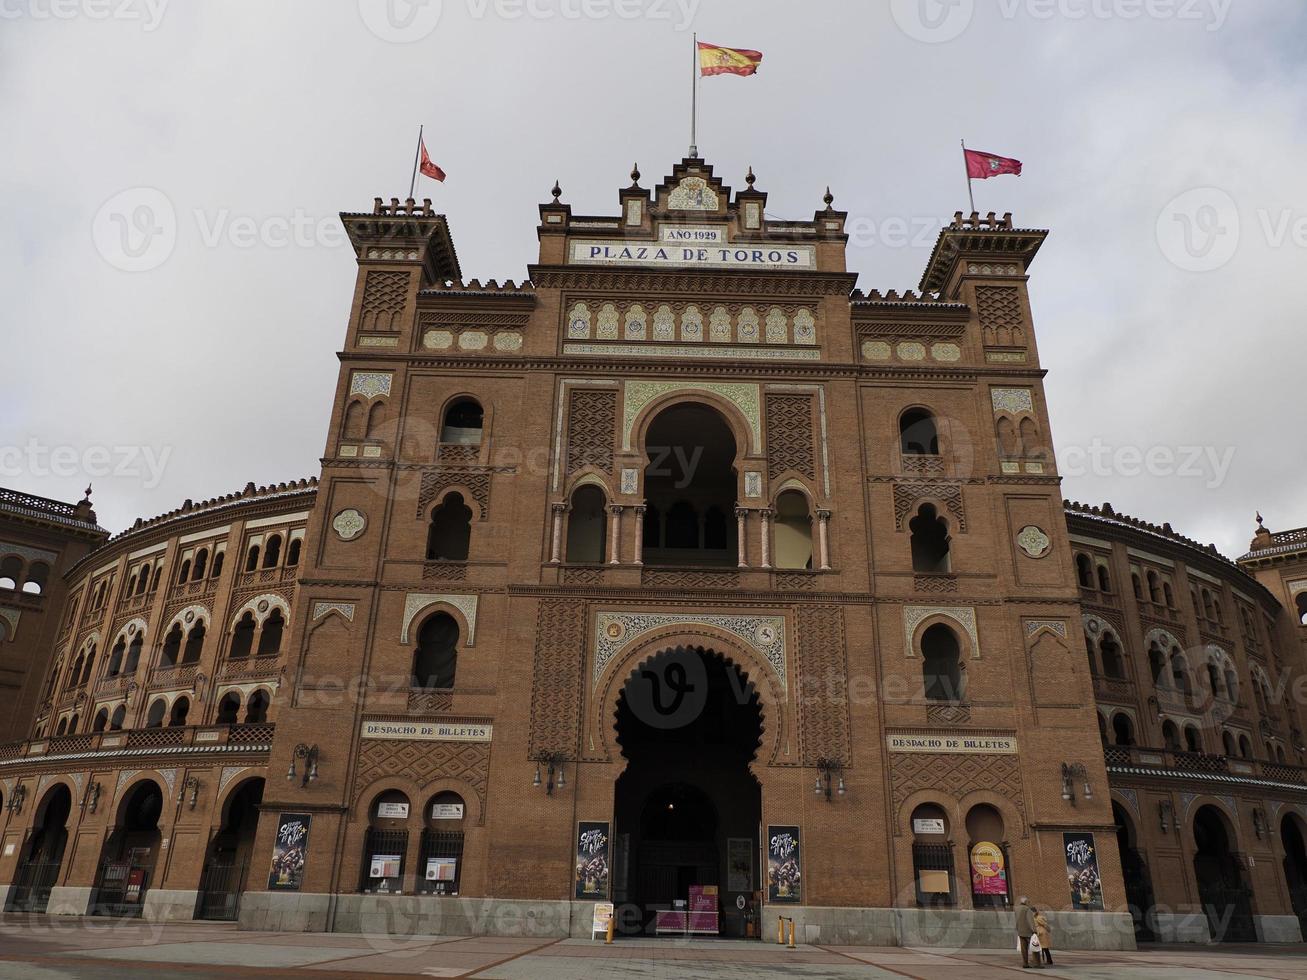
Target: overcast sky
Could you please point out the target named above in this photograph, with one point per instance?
(1164, 144)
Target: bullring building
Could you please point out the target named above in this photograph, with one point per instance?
(684, 576)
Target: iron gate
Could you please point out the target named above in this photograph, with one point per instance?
(1229, 913)
(120, 889)
(31, 890)
(221, 885)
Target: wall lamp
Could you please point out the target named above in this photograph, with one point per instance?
(189, 783)
(1259, 822)
(554, 761)
(826, 769)
(309, 753)
(92, 798)
(1164, 814)
(1071, 772)
(16, 798)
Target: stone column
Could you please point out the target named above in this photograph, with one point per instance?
(615, 535)
(741, 535)
(639, 533)
(556, 553)
(823, 539)
(765, 516)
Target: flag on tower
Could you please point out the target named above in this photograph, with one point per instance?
(982, 165)
(717, 60)
(427, 167)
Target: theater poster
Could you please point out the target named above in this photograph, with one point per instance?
(289, 852)
(988, 870)
(592, 857)
(1082, 872)
(784, 880)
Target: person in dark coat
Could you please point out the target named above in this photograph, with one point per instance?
(1025, 929)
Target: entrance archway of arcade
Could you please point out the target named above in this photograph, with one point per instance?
(687, 808)
(1293, 835)
(227, 860)
(1223, 889)
(130, 853)
(1134, 869)
(43, 853)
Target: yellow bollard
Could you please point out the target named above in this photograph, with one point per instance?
(792, 946)
(780, 930)
(608, 939)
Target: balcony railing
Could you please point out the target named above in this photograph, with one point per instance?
(252, 736)
(1200, 763)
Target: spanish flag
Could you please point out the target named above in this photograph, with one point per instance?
(717, 60)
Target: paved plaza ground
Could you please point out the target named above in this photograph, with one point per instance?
(45, 948)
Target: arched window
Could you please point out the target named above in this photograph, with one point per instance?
(62, 727)
(451, 530)
(1300, 601)
(1113, 663)
(930, 542)
(1227, 743)
(1102, 729)
(180, 709)
(918, 435)
(1171, 736)
(217, 564)
(1245, 747)
(116, 656)
(1136, 585)
(270, 638)
(1084, 571)
(201, 565)
(143, 582)
(1123, 732)
(118, 718)
(154, 583)
(1279, 754)
(1157, 665)
(794, 531)
(194, 644)
(716, 531)
(11, 569)
(436, 657)
(89, 669)
(37, 574)
(941, 664)
(1008, 444)
(1168, 595)
(1031, 443)
(1104, 580)
(463, 422)
(353, 428)
(172, 647)
(682, 526)
(256, 711)
(75, 672)
(1092, 653)
(586, 526)
(293, 553)
(131, 586)
(229, 708)
(101, 720)
(272, 552)
(1179, 672)
(242, 637)
(1154, 589)
(184, 572)
(134, 653)
(932, 857)
(1192, 740)
(154, 718)
(376, 416)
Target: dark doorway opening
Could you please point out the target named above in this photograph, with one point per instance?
(1138, 882)
(226, 867)
(1222, 889)
(1295, 866)
(687, 809)
(42, 857)
(128, 860)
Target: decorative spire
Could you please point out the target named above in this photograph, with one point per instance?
(749, 178)
(828, 197)
(635, 175)
(1260, 522)
(556, 191)
(87, 499)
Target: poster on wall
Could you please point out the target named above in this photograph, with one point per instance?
(289, 852)
(592, 859)
(739, 864)
(783, 862)
(1082, 872)
(988, 870)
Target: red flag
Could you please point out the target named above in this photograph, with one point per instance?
(981, 165)
(428, 168)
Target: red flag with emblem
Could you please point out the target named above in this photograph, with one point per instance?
(981, 165)
(427, 167)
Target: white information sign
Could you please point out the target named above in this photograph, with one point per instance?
(427, 732)
(686, 256)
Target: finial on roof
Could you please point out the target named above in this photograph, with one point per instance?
(87, 499)
(1260, 522)
(556, 191)
(829, 198)
(749, 178)
(635, 175)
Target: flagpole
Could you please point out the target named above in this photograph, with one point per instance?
(417, 151)
(967, 166)
(694, 94)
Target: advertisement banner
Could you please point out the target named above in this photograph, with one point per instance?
(289, 852)
(988, 870)
(592, 859)
(1082, 872)
(784, 880)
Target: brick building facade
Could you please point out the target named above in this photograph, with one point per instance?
(684, 563)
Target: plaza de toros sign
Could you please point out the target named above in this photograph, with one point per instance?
(682, 248)
(425, 732)
(953, 744)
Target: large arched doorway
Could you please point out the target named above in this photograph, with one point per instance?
(1138, 882)
(690, 488)
(43, 854)
(227, 864)
(128, 860)
(1295, 865)
(1226, 897)
(687, 808)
